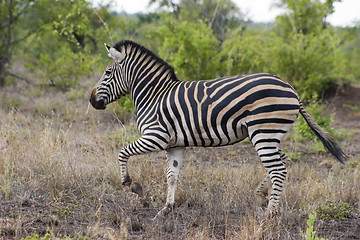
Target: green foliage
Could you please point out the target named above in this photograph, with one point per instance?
(220, 16)
(309, 62)
(354, 164)
(51, 236)
(126, 103)
(306, 49)
(73, 25)
(64, 71)
(245, 52)
(11, 13)
(350, 40)
(355, 108)
(310, 233)
(335, 210)
(305, 16)
(294, 156)
(191, 48)
(62, 212)
(302, 49)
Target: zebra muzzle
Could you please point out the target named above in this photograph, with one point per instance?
(96, 103)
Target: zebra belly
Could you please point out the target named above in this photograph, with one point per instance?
(209, 137)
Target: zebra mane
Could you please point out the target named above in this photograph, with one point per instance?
(146, 51)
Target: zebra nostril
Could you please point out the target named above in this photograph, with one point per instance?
(96, 103)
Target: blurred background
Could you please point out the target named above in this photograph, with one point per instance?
(312, 44)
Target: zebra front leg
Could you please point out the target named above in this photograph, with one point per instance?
(174, 162)
(125, 178)
(145, 144)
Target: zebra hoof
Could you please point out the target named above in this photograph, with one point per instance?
(127, 181)
(163, 212)
(137, 188)
(261, 199)
(271, 213)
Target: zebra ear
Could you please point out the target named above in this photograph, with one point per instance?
(114, 53)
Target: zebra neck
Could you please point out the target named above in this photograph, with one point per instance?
(146, 93)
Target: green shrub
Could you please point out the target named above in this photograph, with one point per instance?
(305, 49)
(354, 108)
(191, 48)
(335, 210)
(126, 103)
(310, 62)
(62, 212)
(51, 236)
(245, 52)
(64, 71)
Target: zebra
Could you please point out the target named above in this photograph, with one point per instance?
(174, 114)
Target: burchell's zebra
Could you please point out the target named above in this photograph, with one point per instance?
(172, 114)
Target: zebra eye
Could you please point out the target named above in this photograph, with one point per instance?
(107, 72)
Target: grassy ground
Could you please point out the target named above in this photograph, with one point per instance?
(59, 175)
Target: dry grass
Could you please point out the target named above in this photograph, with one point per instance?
(59, 172)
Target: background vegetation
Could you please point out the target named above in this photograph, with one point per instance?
(201, 39)
(59, 177)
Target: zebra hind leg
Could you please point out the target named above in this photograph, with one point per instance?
(174, 162)
(269, 154)
(262, 190)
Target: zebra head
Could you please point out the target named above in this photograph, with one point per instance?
(111, 85)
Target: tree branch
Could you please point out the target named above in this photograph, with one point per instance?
(19, 77)
(8, 42)
(106, 26)
(27, 35)
(215, 12)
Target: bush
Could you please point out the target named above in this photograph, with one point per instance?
(309, 62)
(335, 210)
(191, 48)
(246, 52)
(63, 72)
(50, 236)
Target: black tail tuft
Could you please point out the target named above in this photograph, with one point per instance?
(328, 142)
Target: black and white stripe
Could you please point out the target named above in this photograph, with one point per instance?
(172, 114)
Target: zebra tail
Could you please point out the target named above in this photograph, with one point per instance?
(328, 142)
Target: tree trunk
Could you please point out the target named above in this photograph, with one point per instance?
(4, 60)
(2, 71)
